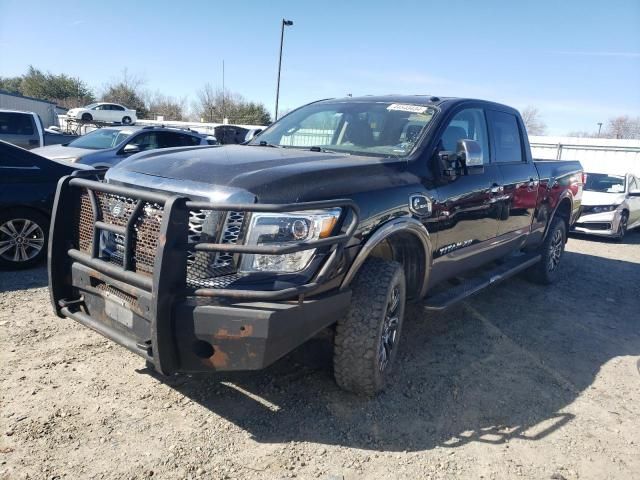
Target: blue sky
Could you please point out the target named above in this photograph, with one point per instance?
(577, 61)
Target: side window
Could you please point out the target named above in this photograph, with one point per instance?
(16, 124)
(146, 141)
(505, 134)
(117, 107)
(467, 124)
(633, 184)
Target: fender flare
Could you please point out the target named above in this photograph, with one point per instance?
(397, 225)
(565, 195)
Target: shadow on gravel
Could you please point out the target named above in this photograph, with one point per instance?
(502, 365)
(11, 280)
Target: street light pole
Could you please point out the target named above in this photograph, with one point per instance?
(599, 128)
(285, 23)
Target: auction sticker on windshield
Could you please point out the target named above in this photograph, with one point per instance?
(402, 107)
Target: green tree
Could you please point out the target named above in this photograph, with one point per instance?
(58, 88)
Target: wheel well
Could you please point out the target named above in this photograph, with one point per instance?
(406, 249)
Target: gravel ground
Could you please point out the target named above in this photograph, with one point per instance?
(519, 381)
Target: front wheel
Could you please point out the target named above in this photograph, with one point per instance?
(622, 227)
(23, 238)
(366, 340)
(86, 117)
(545, 271)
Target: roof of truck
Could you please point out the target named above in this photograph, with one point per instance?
(432, 100)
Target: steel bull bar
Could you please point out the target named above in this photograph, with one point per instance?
(149, 321)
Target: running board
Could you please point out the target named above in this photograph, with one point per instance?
(441, 301)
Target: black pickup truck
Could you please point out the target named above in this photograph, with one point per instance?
(227, 258)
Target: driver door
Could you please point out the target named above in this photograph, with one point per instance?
(467, 222)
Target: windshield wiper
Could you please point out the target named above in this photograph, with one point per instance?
(266, 144)
(326, 150)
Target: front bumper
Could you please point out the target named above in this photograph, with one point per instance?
(216, 337)
(142, 300)
(601, 224)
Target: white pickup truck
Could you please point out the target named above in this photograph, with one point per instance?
(26, 130)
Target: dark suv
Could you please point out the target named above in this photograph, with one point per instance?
(334, 217)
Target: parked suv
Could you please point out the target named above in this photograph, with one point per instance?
(334, 217)
(107, 146)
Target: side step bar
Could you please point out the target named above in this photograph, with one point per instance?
(441, 301)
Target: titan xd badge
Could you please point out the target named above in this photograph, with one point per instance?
(420, 204)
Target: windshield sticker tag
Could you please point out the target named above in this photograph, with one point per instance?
(401, 107)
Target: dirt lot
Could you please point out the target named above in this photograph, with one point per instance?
(520, 381)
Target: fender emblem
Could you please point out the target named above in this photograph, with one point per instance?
(420, 204)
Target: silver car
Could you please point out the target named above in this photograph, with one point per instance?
(610, 205)
(105, 147)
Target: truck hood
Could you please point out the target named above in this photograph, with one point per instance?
(54, 152)
(270, 174)
(602, 198)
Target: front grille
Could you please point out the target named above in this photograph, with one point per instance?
(203, 268)
(595, 225)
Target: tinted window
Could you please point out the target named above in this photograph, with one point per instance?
(507, 143)
(117, 107)
(467, 124)
(15, 124)
(146, 141)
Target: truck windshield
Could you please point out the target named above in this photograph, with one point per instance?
(600, 182)
(100, 139)
(381, 129)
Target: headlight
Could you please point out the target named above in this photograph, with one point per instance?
(604, 208)
(281, 229)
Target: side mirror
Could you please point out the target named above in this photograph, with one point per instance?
(470, 153)
(130, 149)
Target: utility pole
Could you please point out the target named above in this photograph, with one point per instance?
(599, 128)
(222, 92)
(285, 23)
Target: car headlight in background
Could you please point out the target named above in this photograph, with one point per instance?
(604, 208)
(282, 229)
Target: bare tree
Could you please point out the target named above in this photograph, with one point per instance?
(531, 118)
(169, 107)
(623, 127)
(127, 91)
(214, 105)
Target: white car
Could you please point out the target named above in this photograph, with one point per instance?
(610, 205)
(104, 112)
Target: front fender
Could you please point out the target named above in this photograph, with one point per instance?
(397, 225)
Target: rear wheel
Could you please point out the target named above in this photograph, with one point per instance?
(23, 238)
(622, 226)
(367, 337)
(552, 248)
(86, 117)
(126, 120)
